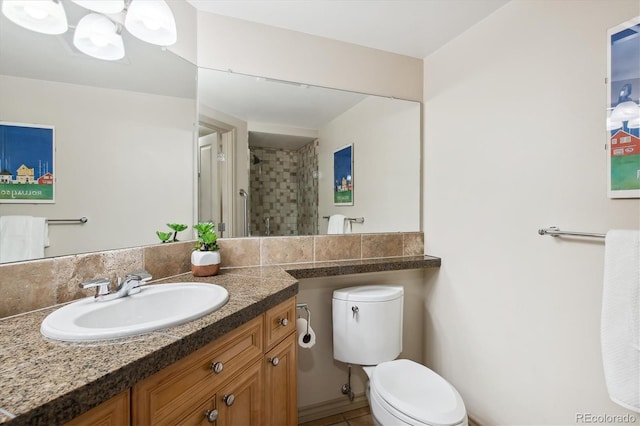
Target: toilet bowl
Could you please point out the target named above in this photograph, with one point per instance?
(367, 331)
(403, 392)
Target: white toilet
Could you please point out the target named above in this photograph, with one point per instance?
(367, 331)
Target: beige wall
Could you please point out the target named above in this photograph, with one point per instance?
(250, 48)
(111, 168)
(386, 139)
(514, 141)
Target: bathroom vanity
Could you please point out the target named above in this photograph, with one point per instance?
(248, 376)
(234, 365)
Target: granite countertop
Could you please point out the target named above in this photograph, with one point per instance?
(45, 382)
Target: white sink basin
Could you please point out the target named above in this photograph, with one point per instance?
(155, 307)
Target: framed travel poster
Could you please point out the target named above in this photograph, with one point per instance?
(343, 176)
(623, 112)
(27, 163)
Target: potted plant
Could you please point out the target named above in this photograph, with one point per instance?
(205, 258)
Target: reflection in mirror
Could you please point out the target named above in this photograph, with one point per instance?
(123, 135)
(281, 154)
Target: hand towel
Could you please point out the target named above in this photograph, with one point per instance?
(22, 238)
(620, 321)
(337, 224)
(347, 226)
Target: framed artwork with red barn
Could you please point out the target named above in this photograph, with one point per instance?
(27, 170)
(623, 110)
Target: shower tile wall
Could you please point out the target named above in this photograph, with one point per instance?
(280, 189)
(308, 189)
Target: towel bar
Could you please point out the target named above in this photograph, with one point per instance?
(350, 219)
(555, 231)
(83, 219)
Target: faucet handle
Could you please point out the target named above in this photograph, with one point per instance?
(101, 284)
(142, 276)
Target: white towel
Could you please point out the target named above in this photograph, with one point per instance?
(620, 322)
(338, 224)
(22, 238)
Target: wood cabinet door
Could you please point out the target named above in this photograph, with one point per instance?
(206, 414)
(178, 389)
(114, 411)
(281, 393)
(240, 402)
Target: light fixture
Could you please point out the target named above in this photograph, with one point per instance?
(613, 125)
(634, 124)
(626, 109)
(108, 7)
(151, 21)
(98, 36)
(46, 17)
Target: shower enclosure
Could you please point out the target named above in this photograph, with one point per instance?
(283, 191)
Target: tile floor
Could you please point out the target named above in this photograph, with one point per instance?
(359, 417)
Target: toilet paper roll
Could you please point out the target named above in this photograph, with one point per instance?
(301, 328)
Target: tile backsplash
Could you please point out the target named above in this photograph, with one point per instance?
(36, 284)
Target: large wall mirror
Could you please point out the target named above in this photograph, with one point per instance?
(124, 135)
(266, 157)
(126, 157)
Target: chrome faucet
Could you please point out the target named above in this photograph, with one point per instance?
(130, 285)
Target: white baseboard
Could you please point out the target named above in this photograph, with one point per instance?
(331, 407)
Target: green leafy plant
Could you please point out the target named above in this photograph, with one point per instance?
(164, 236)
(207, 238)
(176, 227)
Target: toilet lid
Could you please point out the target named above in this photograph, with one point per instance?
(418, 392)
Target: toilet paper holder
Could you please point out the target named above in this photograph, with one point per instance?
(307, 337)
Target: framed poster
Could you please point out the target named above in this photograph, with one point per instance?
(343, 176)
(27, 163)
(623, 111)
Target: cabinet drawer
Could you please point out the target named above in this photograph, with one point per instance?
(169, 394)
(279, 322)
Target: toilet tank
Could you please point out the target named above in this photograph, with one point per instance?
(367, 324)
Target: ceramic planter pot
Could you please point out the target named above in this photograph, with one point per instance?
(205, 263)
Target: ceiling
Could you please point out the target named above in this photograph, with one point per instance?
(279, 105)
(413, 28)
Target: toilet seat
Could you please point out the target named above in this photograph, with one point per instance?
(413, 393)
